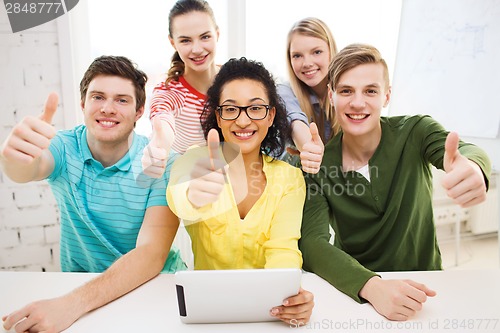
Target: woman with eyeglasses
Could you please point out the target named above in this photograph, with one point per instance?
(243, 208)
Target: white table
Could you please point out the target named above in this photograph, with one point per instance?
(467, 301)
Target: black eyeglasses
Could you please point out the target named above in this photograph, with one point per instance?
(254, 112)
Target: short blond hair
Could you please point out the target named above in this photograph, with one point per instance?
(352, 56)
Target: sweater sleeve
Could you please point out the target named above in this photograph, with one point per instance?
(320, 256)
(165, 104)
(434, 136)
(293, 110)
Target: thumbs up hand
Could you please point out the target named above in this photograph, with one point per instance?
(464, 180)
(312, 151)
(155, 154)
(208, 175)
(31, 137)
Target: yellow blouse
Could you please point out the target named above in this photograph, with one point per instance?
(268, 235)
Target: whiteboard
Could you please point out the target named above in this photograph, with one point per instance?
(448, 66)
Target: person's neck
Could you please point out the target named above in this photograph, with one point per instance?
(243, 165)
(253, 164)
(201, 81)
(109, 153)
(358, 150)
(321, 90)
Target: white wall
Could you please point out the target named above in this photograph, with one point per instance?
(29, 222)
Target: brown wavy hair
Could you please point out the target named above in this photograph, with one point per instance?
(354, 55)
(116, 66)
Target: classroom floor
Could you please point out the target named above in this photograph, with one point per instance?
(474, 253)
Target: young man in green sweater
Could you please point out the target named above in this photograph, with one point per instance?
(374, 188)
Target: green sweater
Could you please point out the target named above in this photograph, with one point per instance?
(385, 224)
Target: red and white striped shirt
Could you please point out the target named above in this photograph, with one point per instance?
(181, 106)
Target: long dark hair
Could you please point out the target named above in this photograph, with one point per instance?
(235, 69)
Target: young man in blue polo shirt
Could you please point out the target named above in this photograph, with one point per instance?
(114, 219)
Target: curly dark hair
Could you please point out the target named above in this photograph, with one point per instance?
(236, 69)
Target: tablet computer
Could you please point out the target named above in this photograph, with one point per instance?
(225, 296)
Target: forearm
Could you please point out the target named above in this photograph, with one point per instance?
(136, 267)
(335, 266)
(18, 172)
(478, 156)
(300, 134)
(368, 288)
(57, 314)
(38, 169)
(168, 130)
(126, 274)
(434, 147)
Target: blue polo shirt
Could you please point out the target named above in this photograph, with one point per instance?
(102, 209)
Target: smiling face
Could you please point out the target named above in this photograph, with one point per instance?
(110, 111)
(194, 36)
(358, 99)
(248, 134)
(310, 57)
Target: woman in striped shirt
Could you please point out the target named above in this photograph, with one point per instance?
(178, 102)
